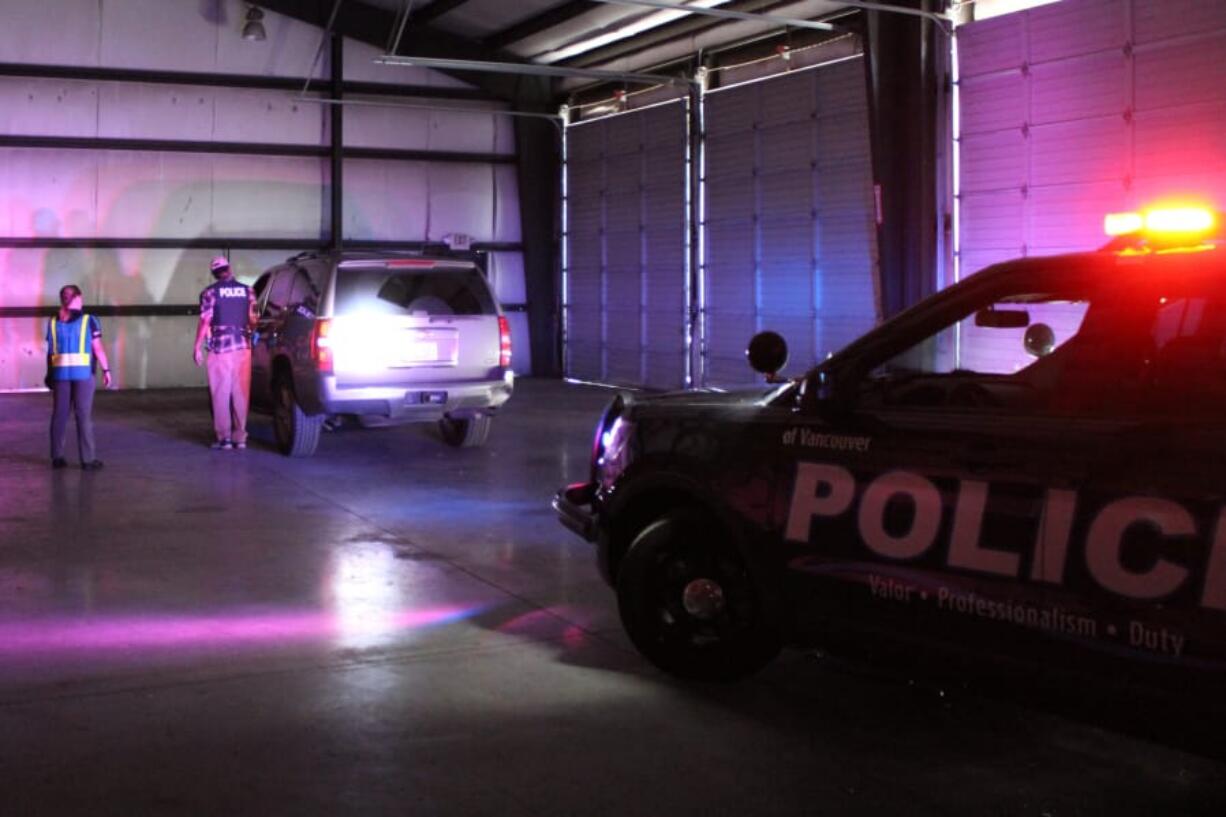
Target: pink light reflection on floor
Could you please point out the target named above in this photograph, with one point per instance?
(102, 633)
(545, 623)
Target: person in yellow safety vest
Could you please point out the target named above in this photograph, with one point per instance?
(74, 346)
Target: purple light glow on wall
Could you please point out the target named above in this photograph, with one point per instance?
(107, 633)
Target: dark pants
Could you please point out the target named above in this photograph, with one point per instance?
(76, 397)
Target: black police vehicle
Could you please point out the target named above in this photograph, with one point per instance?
(1027, 466)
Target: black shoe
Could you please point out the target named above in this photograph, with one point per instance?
(222, 445)
(58, 463)
(96, 465)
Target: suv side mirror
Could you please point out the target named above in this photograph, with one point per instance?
(768, 354)
(1002, 318)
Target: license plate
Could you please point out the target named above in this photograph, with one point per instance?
(421, 351)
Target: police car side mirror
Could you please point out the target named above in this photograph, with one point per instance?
(1002, 318)
(768, 354)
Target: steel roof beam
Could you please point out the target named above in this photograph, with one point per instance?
(435, 10)
(532, 70)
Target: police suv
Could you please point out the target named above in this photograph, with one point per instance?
(1027, 465)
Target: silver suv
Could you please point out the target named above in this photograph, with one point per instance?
(387, 338)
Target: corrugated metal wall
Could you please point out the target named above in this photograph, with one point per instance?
(1081, 108)
(627, 273)
(51, 194)
(1078, 109)
(790, 223)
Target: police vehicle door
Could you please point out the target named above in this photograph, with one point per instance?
(927, 480)
(1148, 540)
(266, 332)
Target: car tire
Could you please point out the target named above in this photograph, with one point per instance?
(465, 433)
(296, 431)
(693, 605)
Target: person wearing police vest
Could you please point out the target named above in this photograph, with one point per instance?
(74, 347)
(227, 316)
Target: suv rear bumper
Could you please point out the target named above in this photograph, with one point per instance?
(420, 402)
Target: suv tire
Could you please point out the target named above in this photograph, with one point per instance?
(692, 604)
(297, 432)
(467, 433)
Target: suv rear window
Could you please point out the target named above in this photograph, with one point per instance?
(395, 292)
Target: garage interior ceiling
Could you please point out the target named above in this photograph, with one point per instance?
(606, 34)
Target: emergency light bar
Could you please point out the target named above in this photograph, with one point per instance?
(1181, 221)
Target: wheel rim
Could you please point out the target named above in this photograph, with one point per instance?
(699, 597)
(703, 599)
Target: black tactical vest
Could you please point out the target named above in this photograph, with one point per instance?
(230, 305)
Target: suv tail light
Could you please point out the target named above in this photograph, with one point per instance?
(504, 342)
(321, 345)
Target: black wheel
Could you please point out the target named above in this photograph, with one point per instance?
(466, 433)
(691, 603)
(297, 432)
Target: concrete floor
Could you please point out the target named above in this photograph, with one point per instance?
(398, 627)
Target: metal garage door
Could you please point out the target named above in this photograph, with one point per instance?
(1074, 110)
(790, 232)
(626, 289)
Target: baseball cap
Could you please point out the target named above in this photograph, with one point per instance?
(219, 263)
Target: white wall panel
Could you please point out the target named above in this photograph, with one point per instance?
(387, 127)
(466, 131)
(134, 194)
(461, 201)
(273, 197)
(134, 111)
(48, 193)
(471, 130)
(48, 107)
(78, 193)
(63, 32)
(163, 195)
(506, 271)
(385, 201)
(155, 34)
(241, 115)
(143, 352)
(201, 35)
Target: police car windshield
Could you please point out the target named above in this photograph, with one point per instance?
(407, 291)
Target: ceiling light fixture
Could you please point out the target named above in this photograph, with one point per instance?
(647, 23)
(253, 29)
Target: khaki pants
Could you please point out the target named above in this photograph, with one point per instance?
(230, 389)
